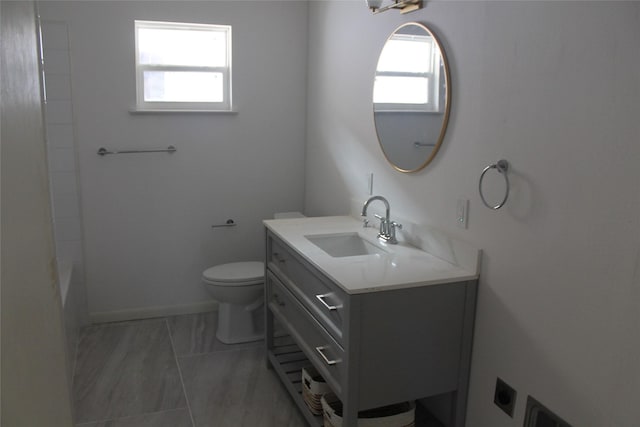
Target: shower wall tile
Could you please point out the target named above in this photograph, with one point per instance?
(58, 86)
(62, 160)
(63, 183)
(56, 61)
(67, 229)
(66, 206)
(71, 250)
(60, 135)
(61, 157)
(54, 35)
(59, 112)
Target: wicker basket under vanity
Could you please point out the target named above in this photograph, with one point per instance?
(398, 415)
(313, 387)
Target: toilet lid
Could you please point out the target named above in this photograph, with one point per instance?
(235, 272)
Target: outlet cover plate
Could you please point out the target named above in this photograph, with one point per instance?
(505, 397)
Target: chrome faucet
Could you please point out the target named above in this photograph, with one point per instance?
(387, 231)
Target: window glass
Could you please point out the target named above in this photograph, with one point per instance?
(401, 90)
(410, 54)
(182, 47)
(183, 86)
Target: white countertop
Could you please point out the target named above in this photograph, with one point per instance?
(403, 266)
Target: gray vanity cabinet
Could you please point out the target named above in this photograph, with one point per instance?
(373, 348)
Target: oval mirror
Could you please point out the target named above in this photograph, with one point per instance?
(411, 97)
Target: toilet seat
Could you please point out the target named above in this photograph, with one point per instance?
(235, 274)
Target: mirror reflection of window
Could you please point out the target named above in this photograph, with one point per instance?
(407, 74)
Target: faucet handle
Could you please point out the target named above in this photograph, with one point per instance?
(392, 231)
(396, 225)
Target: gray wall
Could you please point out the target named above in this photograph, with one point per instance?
(553, 87)
(147, 217)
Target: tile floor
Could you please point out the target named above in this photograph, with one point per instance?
(172, 372)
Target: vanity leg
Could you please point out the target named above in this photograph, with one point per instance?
(268, 333)
(459, 409)
(349, 416)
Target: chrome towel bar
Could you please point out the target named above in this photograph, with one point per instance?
(229, 223)
(170, 149)
(502, 166)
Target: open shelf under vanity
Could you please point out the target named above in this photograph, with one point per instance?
(288, 360)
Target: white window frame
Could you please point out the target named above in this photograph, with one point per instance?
(142, 105)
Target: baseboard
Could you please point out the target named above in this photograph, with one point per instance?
(150, 312)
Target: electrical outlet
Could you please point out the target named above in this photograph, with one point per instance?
(462, 213)
(505, 397)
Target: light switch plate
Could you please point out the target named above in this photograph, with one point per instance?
(462, 213)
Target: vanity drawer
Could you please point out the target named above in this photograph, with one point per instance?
(323, 351)
(323, 298)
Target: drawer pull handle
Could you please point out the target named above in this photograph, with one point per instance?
(327, 361)
(278, 257)
(329, 307)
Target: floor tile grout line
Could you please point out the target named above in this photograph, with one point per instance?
(175, 357)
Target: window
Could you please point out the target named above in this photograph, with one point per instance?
(407, 74)
(183, 66)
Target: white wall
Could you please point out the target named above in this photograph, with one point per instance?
(554, 88)
(35, 391)
(147, 217)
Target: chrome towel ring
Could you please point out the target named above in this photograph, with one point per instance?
(502, 166)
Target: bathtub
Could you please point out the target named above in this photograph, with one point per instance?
(74, 308)
(65, 276)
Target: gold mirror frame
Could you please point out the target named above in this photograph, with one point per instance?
(447, 106)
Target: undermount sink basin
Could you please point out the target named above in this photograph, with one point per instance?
(344, 245)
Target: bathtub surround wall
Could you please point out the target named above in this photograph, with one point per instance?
(63, 181)
(60, 143)
(147, 217)
(552, 87)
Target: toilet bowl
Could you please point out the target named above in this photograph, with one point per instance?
(239, 289)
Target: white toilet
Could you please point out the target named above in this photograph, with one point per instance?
(239, 289)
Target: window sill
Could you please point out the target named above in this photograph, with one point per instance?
(407, 111)
(151, 111)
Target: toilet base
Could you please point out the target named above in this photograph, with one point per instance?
(239, 323)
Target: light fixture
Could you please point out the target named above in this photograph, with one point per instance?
(404, 6)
